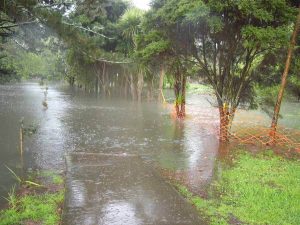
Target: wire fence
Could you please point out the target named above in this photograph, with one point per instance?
(256, 131)
(248, 127)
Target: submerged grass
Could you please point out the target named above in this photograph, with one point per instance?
(36, 205)
(258, 189)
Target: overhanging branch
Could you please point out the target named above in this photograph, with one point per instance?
(88, 30)
(106, 60)
(112, 62)
(17, 24)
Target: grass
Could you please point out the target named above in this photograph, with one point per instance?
(194, 88)
(260, 189)
(36, 205)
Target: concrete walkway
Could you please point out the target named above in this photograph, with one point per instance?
(121, 189)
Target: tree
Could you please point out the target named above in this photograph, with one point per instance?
(153, 50)
(228, 40)
(165, 43)
(130, 27)
(284, 77)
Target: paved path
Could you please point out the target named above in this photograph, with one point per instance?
(121, 189)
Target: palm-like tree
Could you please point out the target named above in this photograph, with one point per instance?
(130, 27)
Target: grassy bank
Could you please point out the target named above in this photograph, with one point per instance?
(195, 88)
(260, 189)
(39, 200)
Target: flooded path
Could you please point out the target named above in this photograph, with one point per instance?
(77, 123)
(113, 189)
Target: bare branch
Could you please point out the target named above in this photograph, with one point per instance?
(20, 45)
(17, 24)
(113, 62)
(88, 30)
(52, 5)
(107, 61)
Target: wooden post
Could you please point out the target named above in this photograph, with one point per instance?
(284, 79)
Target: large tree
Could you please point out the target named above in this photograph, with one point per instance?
(228, 40)
(168, 45)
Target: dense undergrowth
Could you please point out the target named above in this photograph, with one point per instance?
(257, 189)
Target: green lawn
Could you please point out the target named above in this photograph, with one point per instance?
(261, 189)
(36, 205)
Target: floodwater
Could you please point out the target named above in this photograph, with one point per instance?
(77, 123)
(118, 189)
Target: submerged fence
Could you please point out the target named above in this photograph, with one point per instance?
(256, 131)
(248, 127)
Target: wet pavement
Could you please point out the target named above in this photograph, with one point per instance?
(121, 189)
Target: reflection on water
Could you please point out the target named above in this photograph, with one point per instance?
(120, 213)
(79, 192)
(123, 191)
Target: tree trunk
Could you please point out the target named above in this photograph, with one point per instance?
(96, 84)
(161, 84)
(150, 90)
(183, 94)
(103, 80)
(140, 85)
(224, 124)
(284, 80)
(227, 114)
(132, 88)
(72, 81)
(125, 86)
(177, 96)
(107, 83)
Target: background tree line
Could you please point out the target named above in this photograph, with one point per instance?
(109, 47)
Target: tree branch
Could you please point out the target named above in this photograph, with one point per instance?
(88, 30)
(105, 60)
(17, 24)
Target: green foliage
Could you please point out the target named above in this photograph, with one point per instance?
(12, 198)
(21, 64)
(226, 40)
(179, 99)
(38, 205)
(261, 189)
(37, 208)
(294, 85)
(195, 88)
(266, 98)
(129, 25)
(54, 177)
(153, 50)
(268, 37)
(7, 70)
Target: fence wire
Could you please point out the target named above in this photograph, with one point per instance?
(255, 131)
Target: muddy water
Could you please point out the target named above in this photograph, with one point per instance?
(78, 122)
